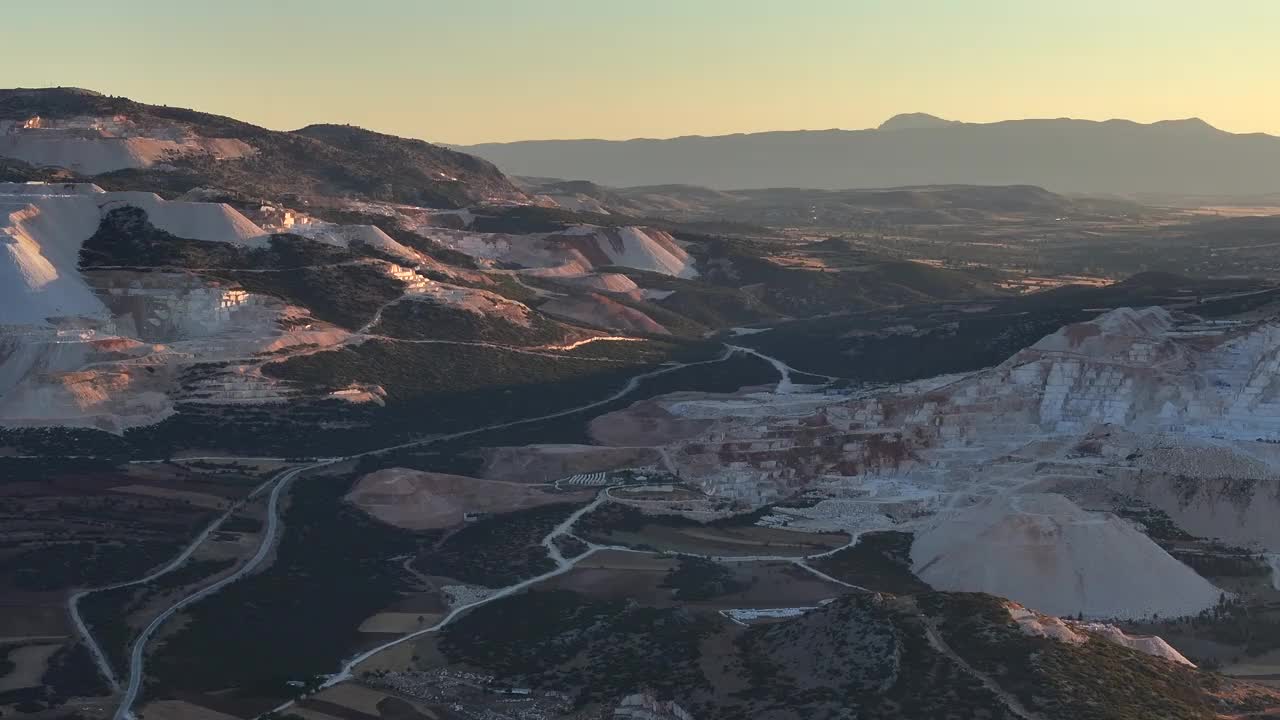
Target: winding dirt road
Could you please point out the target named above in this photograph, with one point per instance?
(277, 485)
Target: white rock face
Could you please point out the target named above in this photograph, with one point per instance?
(1043, 551)
(576, 252)
(639, 248)
(103, 349)
(1076, 633)
(42, 228)
(1148, 645)
(213, 222)
(38, 256)
(93, 145)
(339, 235)
(979, 467)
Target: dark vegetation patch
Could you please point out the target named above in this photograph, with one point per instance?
(107, 613)
(849, 347)
(331, 571)
(497, 551)
(598, 650)
(83, 564)
(536, 219)
(424, 319)
(346, 295)
(72, 673)
(856, 655)
(456, 457)
(241, 524)
(961, 337)
(126, 237)
(1224, 562)
(802, 291)
(570, 546)
(1251, 626)
(705, 303)
(695, 578)
(881, 561)
(14, 170)
(15, 470)
(435, 389)
(412, 373)
(622, 524)
(599, 525)
(1063, 680)
(1157, 524)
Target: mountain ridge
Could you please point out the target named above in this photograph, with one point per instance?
(1063, 155)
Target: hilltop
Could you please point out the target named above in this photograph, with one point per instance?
(123, 144)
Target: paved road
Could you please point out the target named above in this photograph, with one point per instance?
(136, 659)
(785, 386)
(563, 565)
(74, 603)
(278, 484)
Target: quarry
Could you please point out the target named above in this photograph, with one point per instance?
(1011, 478)
(328, 424)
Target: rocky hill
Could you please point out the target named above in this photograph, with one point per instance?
(801, 207)
(601, 459)
(1013, 478)
(173, 150)
(936, 655)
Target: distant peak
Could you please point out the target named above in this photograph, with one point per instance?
(1194, 124)
(915, 121)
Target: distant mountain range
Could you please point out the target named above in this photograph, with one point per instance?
(1078, 156)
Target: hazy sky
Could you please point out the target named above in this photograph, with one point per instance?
(467, 71)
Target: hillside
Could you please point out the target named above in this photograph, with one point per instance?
(335, 425)
(936, 655)
(803, 207)
(1116, 156)
(173, 150)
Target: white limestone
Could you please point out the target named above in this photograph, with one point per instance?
(1046, 553)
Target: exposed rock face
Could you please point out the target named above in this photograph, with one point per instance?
(633, 247)
(1122, 406)
(1076, 633)
(577, 251)
(104, 349)
(98, 144)
(597, 310)
(1128, 369)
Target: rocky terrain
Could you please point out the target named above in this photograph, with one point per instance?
(991, 469)
(336, 425)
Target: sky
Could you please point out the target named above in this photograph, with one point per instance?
(469, 71)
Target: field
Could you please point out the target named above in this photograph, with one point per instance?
(616, 524)
(427, 501)
(648, 580)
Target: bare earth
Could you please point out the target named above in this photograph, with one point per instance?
(548, 463)
(423, 501)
